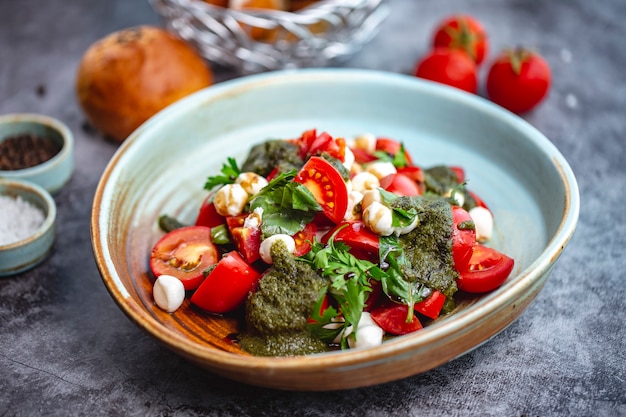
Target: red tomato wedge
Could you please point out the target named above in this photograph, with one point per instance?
(463, 238)
(227, 286)
(487, 270)
(431, 307)
(184, 253)
(364, 244)
(326, 185)
(391, 318)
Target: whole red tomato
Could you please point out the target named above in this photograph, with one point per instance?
(518, 80)
(449, 66)
(463, 32)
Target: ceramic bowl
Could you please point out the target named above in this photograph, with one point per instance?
(27, 252)
(54, 173)
(162, 167)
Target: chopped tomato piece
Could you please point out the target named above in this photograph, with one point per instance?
(184, 253)
(459, 172)
(400, 184)
(361, 156)
(487, 270)
(208, 215)
(463, 238)
(431, 307)
(247, 240)
(312, 144)
(364, 244)
(326, 185)
(227, 286)
(391, 317)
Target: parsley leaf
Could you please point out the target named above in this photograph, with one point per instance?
(230, 173)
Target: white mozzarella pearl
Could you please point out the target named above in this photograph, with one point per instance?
(230, 200)
(369, 196)
(378, 218)
(381, 169)
(483, 220)
(365, 181)
(348, 160)
(251, 182)
(168, 293)
(266, 246)
(354, 198)
(365, 141)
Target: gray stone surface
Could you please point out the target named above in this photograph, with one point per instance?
(66, 349)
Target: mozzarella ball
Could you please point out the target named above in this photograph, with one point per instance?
(378, 218)
(168, 293)
(254, 219)
(365, 181)
(230, 200)
(381, 169)
(365, 141)
(369, 196)
(353, 212)
(251, 182)
(266, 246)
(483, 220)
(367, 336)
(459, 198)
(348, 160)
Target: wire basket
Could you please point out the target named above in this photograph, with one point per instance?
(262, 40)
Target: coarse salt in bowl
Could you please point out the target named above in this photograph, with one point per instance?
(27, 225)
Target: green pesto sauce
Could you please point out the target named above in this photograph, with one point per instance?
(277, 312)
(428, 248)
(441, 179)
(266, 156)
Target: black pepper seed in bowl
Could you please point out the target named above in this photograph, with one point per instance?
(26, 150)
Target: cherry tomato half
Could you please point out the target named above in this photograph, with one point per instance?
(184, 253)
(463, 238)
(463, 32)
(326, 185)
(391, 317)
(487, 270)
(227, 286)
(304, 238)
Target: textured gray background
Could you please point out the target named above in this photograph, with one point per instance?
(66, 349)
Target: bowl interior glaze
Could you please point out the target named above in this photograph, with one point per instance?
(162, 167)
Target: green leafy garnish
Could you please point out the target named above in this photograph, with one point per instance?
(287, 206)
(230, 172)
(349, 286)
(398, 160)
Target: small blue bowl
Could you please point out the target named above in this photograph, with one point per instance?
(54, 173)
(26, 253)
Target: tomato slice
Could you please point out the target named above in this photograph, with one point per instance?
(227, 286)
(208, 215)
(326, 185)
(391, 317)
(184, 253)
(463, 238)
(487, 270)
(247, 240)
(400, 184)
(304, 238)
(431, 307)
(364, 244)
